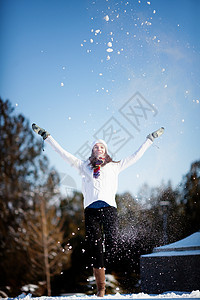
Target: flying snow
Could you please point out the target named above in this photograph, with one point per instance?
(97, 31)
(106, 18)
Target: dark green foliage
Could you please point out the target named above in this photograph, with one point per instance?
(18, 151)
(190, 199)
(26, 181)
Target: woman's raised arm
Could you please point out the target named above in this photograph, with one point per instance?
(68, 157)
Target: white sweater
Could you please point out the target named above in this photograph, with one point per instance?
(105, 186)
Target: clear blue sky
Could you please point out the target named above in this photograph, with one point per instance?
(79, 68)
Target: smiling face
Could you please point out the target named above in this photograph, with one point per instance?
(99, 150)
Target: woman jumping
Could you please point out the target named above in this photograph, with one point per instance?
(99, 186)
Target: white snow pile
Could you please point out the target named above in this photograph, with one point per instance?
(168, 295)
(187, 246)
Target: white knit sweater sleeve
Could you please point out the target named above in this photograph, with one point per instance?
(127, 162)
(68, 157)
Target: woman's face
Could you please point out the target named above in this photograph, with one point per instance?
(99, 150)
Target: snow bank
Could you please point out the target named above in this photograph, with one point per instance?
(187, 246)
(172, 253)
(189, 243)
(168, 295)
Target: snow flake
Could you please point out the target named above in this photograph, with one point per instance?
(69, 118)
(109, 44)
(182, 120)
(100, 74)
(91, 41)
(165, 86)
(154, 11)
(109, 50)
(62, 84)
(149, 2)
(106, 18)
(29, 287)
(108, 57)
(97, 31)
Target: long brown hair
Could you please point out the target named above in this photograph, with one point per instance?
(93, 159)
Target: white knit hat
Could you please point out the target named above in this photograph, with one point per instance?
(100, 142)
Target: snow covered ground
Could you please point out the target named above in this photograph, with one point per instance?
(167, 296)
